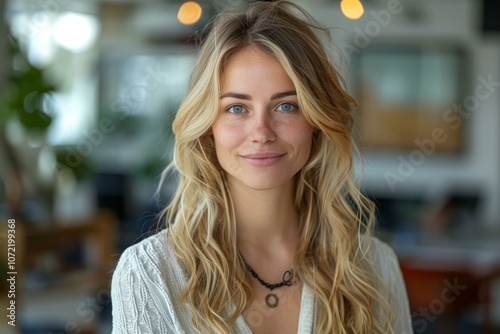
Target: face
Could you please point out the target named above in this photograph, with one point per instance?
(261, 136)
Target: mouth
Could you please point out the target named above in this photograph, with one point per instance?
(263, 159)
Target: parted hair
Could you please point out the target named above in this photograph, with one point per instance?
(335, 218)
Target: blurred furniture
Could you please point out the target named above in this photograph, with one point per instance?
(96, 237)
(64, 275)
(446, 282)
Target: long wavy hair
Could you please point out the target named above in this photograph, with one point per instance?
(335, 218)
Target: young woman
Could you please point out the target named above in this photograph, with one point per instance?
(267, 232)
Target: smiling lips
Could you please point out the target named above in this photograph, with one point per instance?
(262, 159)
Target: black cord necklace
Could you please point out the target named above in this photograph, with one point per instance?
(272, 299)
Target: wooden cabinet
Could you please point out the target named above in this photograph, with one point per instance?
(446, 283)
(53, 284)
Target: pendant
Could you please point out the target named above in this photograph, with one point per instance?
(272, 300)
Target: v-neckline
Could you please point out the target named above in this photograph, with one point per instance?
(306, 314)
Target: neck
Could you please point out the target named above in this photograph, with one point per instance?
(266, 220)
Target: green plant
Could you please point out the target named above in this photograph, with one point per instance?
(27, 88)
(23, 100)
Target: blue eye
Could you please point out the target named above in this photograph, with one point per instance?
(286, 107)
(237, 109)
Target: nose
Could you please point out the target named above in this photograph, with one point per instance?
(262, 129)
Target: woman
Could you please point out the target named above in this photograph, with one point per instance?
(267, 233)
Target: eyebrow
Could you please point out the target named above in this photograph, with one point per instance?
(248, 97)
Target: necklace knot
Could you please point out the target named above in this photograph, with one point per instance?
(272, 299)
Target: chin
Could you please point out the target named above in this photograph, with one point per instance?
(265, 183)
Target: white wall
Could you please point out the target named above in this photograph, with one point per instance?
(453, 20)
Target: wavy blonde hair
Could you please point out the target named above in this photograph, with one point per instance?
(335, 216)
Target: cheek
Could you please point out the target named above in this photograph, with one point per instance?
(227, 133)
(222, 137)
(303, 142)
(306, 147)
(301, 135)
(226, 139)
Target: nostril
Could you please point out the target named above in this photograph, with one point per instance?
(263, 134)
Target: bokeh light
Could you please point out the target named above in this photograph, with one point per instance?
(189, 13)
(352, 9)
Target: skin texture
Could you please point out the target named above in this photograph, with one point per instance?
(262, 140)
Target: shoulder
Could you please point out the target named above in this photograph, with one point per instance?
(151, 260)
(146, 286)
(385, 261)
(146, 254)
(381, 254)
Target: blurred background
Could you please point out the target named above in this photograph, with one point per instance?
(88, 90)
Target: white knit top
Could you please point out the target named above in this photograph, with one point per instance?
(148, 280)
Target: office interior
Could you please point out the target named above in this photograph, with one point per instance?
(88, 92)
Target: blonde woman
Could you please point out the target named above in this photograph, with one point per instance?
(267, 232)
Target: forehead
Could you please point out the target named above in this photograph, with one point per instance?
(253, 65)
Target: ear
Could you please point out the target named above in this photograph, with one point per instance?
(210, 132)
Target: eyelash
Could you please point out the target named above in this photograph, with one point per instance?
(235, 105)
(292, 104)
(228, 109)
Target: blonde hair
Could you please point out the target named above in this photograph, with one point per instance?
(335, 216)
